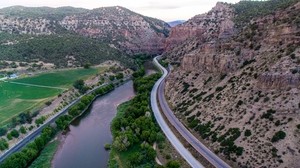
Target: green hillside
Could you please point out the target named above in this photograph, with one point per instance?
(55, 48)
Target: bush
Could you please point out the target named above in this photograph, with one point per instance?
(107, 146)
(3, 144)
(278, 136)
(3, 131)
(173, 164)
(23, 130)
(248, 133)
(14, 133)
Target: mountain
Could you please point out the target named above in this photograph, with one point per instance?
(235, 81)
(176, 22)
(121, 28)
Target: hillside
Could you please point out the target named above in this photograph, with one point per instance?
(236, 81)
(128, 31)
(62, 50)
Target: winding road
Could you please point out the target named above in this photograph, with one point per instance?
(158, 93)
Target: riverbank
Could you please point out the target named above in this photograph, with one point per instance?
(45, 158)
(32, 150)
(75, 149)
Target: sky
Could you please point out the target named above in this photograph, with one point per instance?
(167, 10)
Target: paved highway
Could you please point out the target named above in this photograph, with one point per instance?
(164, 126)
(158, 91)
(37, 131)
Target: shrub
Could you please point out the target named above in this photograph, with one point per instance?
(107, 146)
(248, 133)
(23, 130)
(278, 136)
(3, 131)
(3, 144)
(14, 133)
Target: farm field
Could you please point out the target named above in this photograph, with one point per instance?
(31, 93)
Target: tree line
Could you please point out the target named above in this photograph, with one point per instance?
(29, 153)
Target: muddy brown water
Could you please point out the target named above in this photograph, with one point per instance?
(83, 144)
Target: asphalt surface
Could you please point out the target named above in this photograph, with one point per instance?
(164, 126)
(23, 142)
(158, 91)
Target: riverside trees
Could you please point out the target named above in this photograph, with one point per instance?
(134, 126)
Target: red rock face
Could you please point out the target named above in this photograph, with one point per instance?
(181, 33)
(215, 24)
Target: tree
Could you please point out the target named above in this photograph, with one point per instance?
(173, 164)
(14, 133)
(247, 133)
(278, 136)
(3, 131)
(87, 66)
(23, 130)
(3, 144)
(80, 86)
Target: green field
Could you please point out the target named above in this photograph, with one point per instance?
(16, 98)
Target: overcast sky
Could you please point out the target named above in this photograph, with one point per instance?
(167, 10)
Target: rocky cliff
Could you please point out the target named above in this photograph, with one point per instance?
(122, 28)
(238, 86)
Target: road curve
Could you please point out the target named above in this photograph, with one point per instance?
(189, 137)
(164, 126)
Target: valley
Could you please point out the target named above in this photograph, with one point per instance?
(110, 87)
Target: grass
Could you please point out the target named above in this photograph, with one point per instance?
(16, 98)
(45, 158)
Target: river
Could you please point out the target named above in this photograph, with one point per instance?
(83, 144)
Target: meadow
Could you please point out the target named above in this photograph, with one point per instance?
(23, 94)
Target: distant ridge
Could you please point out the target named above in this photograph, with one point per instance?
(176, 22)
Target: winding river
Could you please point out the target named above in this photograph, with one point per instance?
(83, 145)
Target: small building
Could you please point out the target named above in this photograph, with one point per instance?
(13, 76)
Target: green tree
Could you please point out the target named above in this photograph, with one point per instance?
(15, 133)
(3, 144)
(278, 136)
(23, 130)
(173, 164)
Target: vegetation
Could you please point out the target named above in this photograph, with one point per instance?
(247, 10)
(47, 12)
(28, 154)
(134, 129)
(247, 133)
(3, 144)
(80, 86)
(17, 100)
(55, 48)
(278, 136)
(227, 142)
(45, 158)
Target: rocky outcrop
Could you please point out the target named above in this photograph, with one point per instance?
(126, 30)
(19, 25)
(244, 79)
(131, 32)
(217, 23)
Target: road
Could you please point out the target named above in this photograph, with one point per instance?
(164, 126)
(37, 131)
(185, 133)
